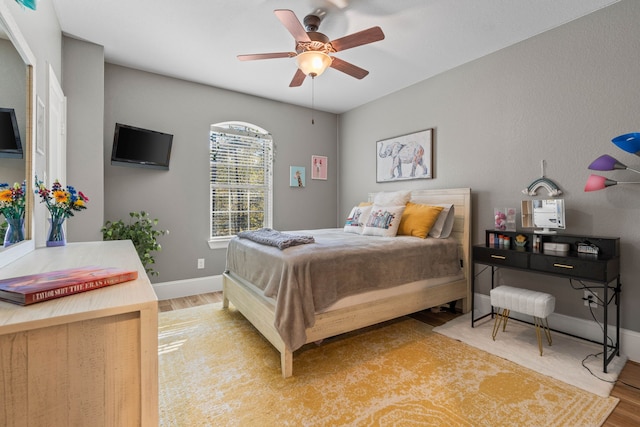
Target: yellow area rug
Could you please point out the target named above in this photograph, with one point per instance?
(215, 369)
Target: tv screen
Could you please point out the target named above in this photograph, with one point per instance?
(137, 147)
(10, 143)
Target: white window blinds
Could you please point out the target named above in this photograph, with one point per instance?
(241, 160)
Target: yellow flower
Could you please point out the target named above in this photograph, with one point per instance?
(79, 202)
(60, 196)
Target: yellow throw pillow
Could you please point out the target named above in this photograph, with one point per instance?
(418, 219)
(365, 204)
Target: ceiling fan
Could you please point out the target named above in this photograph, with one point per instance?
(313, 49)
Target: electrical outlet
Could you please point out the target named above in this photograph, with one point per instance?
(590, 299)
(200, 263)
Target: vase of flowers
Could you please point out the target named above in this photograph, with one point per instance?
(56, 232)
(61, 202)
(12, 203)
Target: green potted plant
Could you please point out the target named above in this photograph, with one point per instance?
(141, 230)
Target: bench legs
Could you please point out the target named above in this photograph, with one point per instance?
(500, 317)
(544, 324)
(540, 323)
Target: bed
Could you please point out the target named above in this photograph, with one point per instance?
(350, 306)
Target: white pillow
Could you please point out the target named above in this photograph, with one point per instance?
(356, 219)
(444, 224)
(383, 221)
(392, 198)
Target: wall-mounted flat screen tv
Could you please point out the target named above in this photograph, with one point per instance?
(10, 143)
(143, 148)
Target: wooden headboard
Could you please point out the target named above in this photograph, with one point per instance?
(461, 200)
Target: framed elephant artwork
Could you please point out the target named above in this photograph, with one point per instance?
(405, 157)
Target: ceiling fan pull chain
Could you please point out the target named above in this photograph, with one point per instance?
(313, 80)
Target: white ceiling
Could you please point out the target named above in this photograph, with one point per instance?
(198, 40)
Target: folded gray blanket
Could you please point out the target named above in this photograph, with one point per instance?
(268, 236)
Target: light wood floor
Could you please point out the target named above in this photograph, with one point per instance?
(627, 388)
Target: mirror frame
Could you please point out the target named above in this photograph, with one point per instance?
(18, 250)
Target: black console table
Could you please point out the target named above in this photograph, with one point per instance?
(602, 269)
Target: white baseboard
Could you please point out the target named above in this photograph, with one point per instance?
(188, 287)
(629, 340)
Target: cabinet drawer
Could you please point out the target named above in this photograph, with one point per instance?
(507, 258)
(568, 266)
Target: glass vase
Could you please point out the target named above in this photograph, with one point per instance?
(15, 231)
(56, 232)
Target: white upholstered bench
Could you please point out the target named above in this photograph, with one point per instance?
(525, 301)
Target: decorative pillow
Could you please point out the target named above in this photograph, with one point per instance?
(383, 221)
(355, 220)
(365, 204)
(444, 224)
(392, 198)
(417, 220)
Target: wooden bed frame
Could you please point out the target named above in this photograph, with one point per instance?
(260, 312)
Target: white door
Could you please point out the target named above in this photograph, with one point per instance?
(57, 148)
(57, 167)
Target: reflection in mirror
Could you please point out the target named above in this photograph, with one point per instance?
(548, 215)
(17, 92)
(13, 111)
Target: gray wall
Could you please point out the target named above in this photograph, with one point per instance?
(83, 84)
(179, 198)
(560, 96)
(42, 32)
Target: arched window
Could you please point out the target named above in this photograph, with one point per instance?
(241, 165)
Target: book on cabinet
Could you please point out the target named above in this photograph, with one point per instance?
(34, 288)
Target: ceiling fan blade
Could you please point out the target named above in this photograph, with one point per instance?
(371, 35)
(298, 78)
(348, 68)
(292, 23)
(254, 56)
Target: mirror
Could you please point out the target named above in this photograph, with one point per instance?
(547, 214)
(18, 89)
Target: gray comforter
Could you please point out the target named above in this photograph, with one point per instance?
(308, 278)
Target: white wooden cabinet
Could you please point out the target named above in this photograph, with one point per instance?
(89, 359)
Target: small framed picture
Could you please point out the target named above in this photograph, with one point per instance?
(318, 167)
(297, 176)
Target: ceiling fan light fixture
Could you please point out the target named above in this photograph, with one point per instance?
(313, 63)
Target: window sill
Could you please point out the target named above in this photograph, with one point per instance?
(219, 244)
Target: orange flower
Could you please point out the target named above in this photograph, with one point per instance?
(60, 196)
(5, 196)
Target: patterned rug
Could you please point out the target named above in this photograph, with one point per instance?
(569, 359)
(215, 369)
